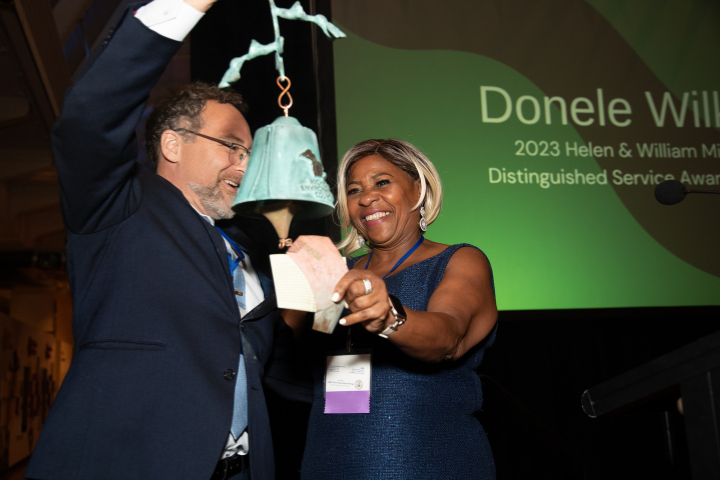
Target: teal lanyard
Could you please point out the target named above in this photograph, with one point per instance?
(399, 261)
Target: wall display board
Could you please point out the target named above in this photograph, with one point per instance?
(551, 122)
(33, 365)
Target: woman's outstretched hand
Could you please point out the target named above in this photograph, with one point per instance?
(367, 298)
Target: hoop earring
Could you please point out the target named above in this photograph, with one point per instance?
(423, 222)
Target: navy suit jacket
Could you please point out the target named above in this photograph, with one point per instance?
(149, 394)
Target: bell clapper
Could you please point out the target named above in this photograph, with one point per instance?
(280, 215)
(285, 91)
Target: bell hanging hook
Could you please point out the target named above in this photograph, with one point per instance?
(285, 91)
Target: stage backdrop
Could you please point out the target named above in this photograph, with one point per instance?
(551, 122)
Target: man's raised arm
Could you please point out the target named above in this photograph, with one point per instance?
(94, 140)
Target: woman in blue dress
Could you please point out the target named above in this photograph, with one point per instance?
(425, 310)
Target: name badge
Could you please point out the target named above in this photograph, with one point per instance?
(347, 384)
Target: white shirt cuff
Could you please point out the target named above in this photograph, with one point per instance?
(173, 19)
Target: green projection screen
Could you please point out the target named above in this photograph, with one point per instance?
(551, 122)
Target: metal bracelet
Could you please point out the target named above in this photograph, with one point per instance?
(399, 320)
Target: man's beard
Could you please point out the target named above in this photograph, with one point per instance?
(213, 200)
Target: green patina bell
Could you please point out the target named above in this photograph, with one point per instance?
(284, 177)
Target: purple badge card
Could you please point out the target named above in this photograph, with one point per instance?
(347, 384)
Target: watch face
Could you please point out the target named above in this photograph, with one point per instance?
(398, 306)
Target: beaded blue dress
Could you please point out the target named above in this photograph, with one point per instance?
(422, 422)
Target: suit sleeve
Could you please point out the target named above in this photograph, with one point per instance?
(94, 141)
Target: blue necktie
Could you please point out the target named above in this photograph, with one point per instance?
(240, 407)
(238, 282)
(240, 413)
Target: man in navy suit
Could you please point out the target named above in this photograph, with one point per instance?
(174, 320)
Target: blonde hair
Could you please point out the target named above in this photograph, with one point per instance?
(406, 157)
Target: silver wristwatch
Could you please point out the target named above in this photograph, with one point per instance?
(398, 312)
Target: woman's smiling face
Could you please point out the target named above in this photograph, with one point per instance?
(380, 197)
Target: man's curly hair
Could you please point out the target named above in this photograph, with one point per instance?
(181, 108)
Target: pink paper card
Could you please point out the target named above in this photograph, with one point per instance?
(323, 267)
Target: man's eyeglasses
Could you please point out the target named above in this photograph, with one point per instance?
(238, 153)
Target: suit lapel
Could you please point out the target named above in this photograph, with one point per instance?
(215, 237)
(218, 243)
(261, 262)
(265, 307)
(267, 284)
(270, 302)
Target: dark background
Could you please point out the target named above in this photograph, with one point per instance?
(542, 361)
(547, 359)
